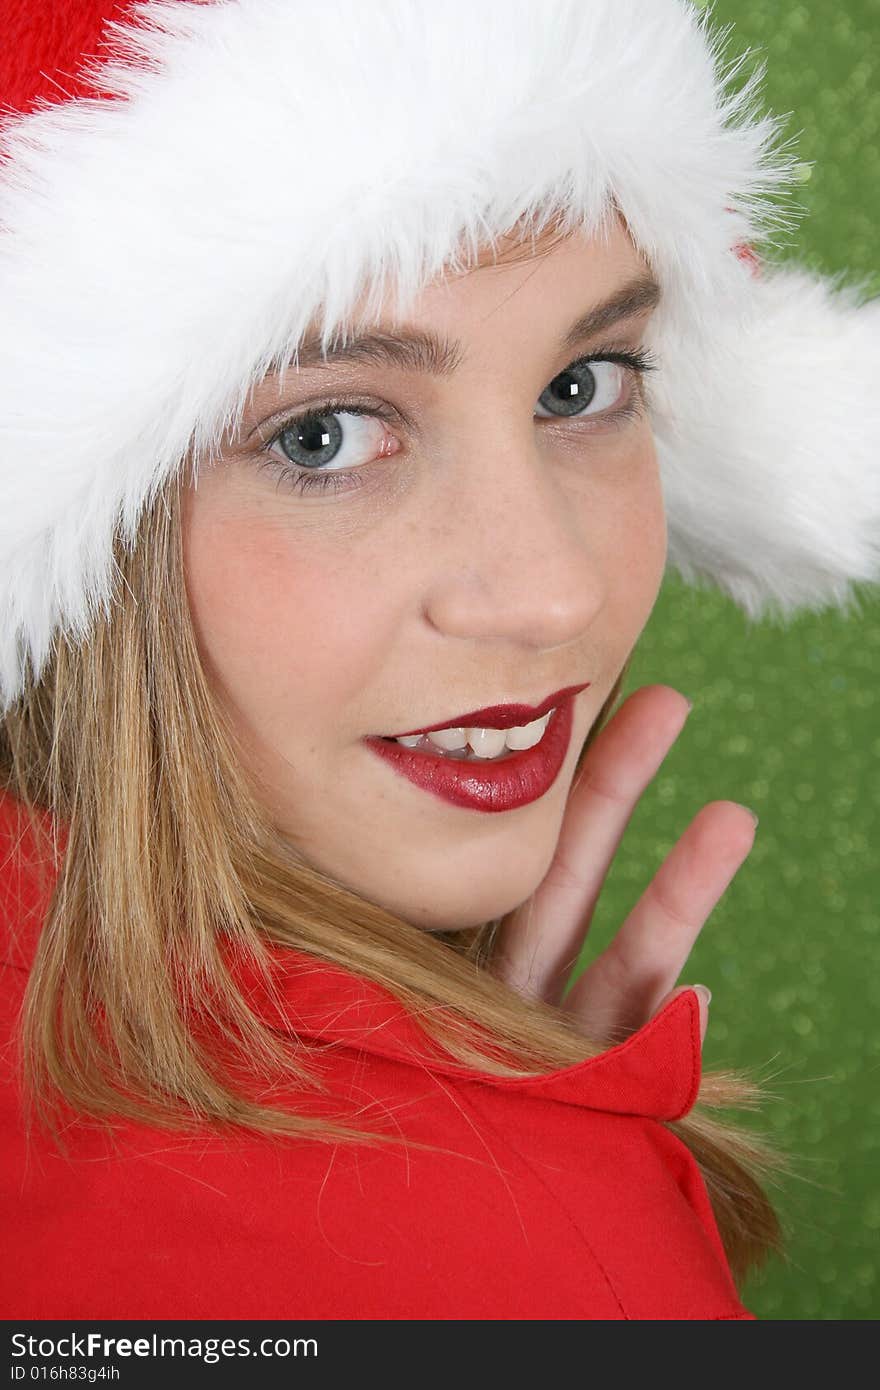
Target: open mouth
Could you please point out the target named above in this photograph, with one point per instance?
(478, 745)
(492, 776)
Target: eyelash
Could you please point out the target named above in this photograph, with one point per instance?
(639, 362)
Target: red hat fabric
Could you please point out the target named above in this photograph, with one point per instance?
(44, 47)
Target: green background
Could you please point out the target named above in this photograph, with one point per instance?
(786, 720)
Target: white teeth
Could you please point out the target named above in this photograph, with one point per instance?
(487, 743)
(449, 739)
(482, 743)
(527, 735)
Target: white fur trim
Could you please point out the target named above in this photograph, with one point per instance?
(271, 158)
(770, 449)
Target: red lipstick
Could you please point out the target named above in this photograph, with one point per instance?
(497, 784)
(498, 716)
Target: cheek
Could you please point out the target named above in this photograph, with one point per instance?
(640, 530)
(625, 520)
(280, 626)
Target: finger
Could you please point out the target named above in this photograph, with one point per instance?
(539, 943)
(621, 989)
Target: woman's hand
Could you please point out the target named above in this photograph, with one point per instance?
(539, 942)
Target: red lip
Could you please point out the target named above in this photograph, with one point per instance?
(498, 716)
(491, 785)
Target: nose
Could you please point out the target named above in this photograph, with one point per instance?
(511, 556)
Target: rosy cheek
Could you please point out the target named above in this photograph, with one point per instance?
(282, 621)
(236, 582)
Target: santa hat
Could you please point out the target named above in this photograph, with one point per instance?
(185, 187)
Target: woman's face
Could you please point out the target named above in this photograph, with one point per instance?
(483, 547)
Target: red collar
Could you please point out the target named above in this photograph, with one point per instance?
(655, 1072)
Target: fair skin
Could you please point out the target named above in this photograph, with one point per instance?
(492, 553)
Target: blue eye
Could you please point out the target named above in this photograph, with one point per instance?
(584, 384)
(318, 452)
(317, 439)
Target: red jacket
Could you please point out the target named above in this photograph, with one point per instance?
(561, 1198)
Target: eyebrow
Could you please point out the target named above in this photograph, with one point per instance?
(417, 350)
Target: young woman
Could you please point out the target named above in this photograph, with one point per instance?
(359, 386)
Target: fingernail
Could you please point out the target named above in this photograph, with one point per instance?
(704, 991)
(751, 813)
(690, 705)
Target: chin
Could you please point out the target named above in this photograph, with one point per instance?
(460, 900)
